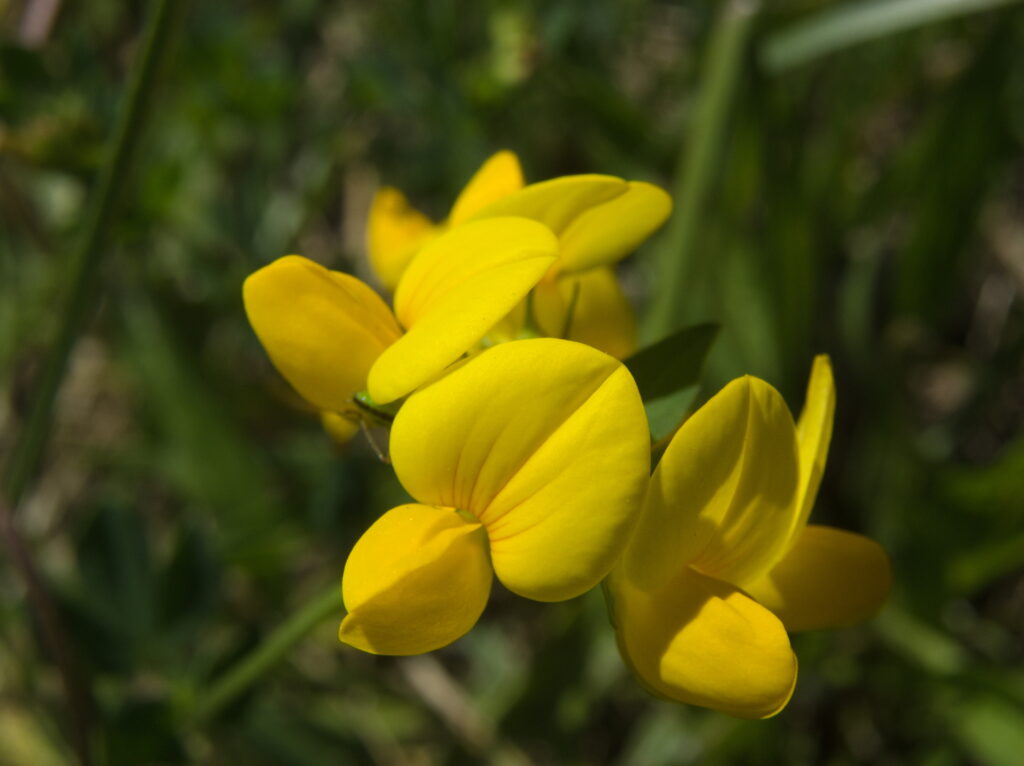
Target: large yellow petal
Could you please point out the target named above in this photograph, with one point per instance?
(545, 442)
(498, 177)
(454, 291)
(829, 579)
(704, 642)
(417, 580)
(612, 230)
(394, 232)
(558, 202)
(722, 497)
(602, 316)
(814, 432)
(322, 329)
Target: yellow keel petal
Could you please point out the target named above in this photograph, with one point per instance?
(704, 642)
(417, 580)
(601, 315)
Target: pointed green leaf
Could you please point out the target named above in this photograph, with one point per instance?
(668, 373)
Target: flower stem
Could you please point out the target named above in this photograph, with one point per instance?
(85, 262)
(679, 265)
(271, 651)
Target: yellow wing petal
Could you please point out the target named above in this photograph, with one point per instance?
(723, 496)
(612, 230)
(545, 442)
(558, 202)
(340, 428)
(602, 317)
(814, 432)
(322, 329)
(395, 231)
(829, 579)
(498, 177)
(417, 580)
(704, 642)
(453, 292)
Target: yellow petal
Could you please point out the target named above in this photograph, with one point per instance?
(498, 177)
(829, 579)
(323, 330)
(417, 580)
(394, 232)
(704, 642)
(341, 428)
(509, 327)
(558, 202)
(814, 432)
(722, 497)
(454, 291)
(545, 442)
(601, 315)
(612, 230)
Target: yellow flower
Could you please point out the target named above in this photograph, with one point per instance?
(723, 562)
(331, 336)
(528, 462)
(598, 221)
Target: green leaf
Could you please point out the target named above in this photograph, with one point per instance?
(668, 373)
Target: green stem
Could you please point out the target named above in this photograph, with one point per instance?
(679, 264)
(846, 25)
(268, 653)
(85, 263)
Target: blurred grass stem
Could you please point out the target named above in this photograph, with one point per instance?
(85, 263)
(269, 653)
(678, 265)
(843, 26)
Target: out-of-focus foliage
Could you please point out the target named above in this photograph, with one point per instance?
(869, 204)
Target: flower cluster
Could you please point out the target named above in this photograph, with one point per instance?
(523, 440)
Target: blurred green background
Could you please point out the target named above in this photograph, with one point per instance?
(848, 178)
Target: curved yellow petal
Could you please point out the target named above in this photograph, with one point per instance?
(602, 316)
(453, 292)
(558, 202)
(704, 642)
(545, 442)
(510, 327)
(394, 232)
(322, 329)
(341, 428)
(814, 432)
(416, 580)
(499, 176)
(722, 497)
(612, 230)
(829, 579)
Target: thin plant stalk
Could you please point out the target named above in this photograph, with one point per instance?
(86, 260)
(268, 654)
